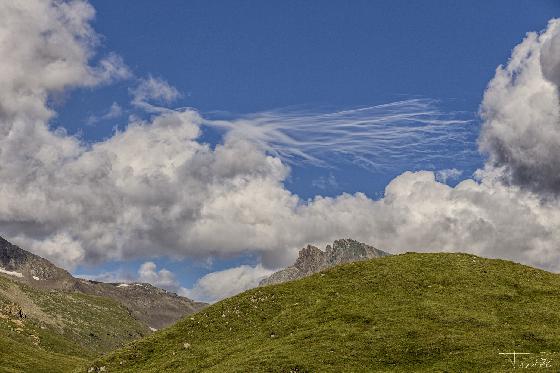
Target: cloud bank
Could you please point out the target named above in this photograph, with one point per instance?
(521, 131)
(222, 284)
(156, 189)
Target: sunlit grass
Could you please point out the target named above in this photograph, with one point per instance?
(411, 312)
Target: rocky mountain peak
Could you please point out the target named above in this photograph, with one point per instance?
(312, 259)
(349, 250)
(32, 269)
(11, 256)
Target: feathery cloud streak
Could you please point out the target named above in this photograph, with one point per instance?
(379, 137)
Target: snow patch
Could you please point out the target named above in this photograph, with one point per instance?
(153, 329)
(11, 273)
(123, 285)
(36, 278)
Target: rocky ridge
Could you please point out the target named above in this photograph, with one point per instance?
(311, 259)
(154, 307)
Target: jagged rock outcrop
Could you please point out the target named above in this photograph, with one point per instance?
(152, 306)
(312, 260)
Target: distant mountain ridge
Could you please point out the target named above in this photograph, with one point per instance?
(32, 269)
(312, 259)
(154, 307)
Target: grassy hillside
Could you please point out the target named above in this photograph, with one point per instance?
(55, 331)
(411, 312)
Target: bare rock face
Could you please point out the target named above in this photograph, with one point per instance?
(285, 275)
(154, 307)
(312, 260)
(348, 250)
(38, 272)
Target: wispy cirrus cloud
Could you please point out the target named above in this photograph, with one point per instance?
(375, 137)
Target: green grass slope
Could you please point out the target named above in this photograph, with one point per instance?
(54, 331)
(405, 313)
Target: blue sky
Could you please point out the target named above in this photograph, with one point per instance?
(343, 96)
(247, 56)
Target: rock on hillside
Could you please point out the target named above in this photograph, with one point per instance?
(312, 260)
(154, 307)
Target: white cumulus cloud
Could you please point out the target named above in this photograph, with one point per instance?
(222, 284)
(162, 278)
(521, 131)
(448, 174)
(150, 91)
(155, 188)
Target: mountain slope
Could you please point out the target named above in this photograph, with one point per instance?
(312, 260)
(51, 321)
(411, 312)
(154, 307)
(52, 331)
